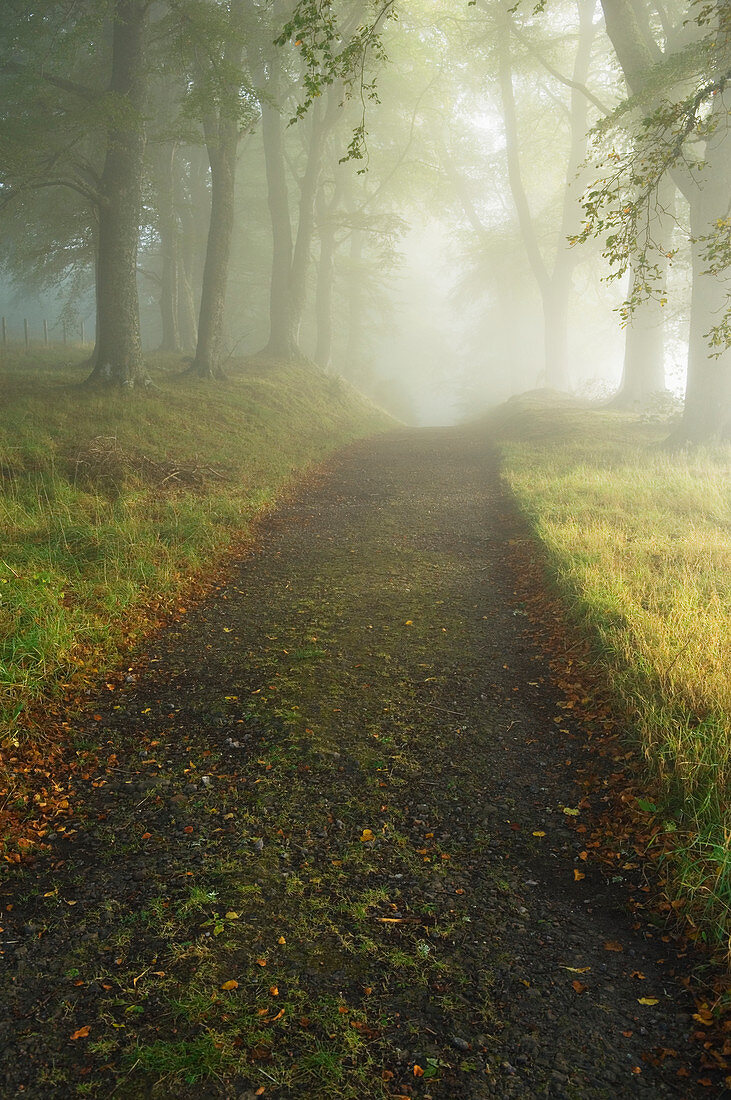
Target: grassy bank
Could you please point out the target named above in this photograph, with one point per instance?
(639, 541)
(109, 504)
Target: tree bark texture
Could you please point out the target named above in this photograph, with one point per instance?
(118, 353)
(222, 131)
(164, 159)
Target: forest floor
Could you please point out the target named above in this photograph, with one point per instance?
(335, 833)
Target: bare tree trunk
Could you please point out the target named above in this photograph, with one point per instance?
(326, 229)
(222, 145)
(222, 134)
(355, 350)
(643, 374)
(118, 353)
(193, 202)
(320, 122)
(164, 161)
(282, 342)
(707, 410)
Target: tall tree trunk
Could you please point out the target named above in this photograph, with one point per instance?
(118, 353)
(321, 119)
(643, 373)
(222, 139)
(193, 202)
(282, 342)
(354, 365)
(222, 153)
(707, 410)
(164, 161)
(326, 229)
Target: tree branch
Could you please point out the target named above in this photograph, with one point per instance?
(81, 90)
(575, 84)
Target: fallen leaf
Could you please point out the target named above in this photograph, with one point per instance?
(613, 945)
(81, 1033)
(366, 835)
(232, 916)
(274, 990)
(230, 984)
(578, 875)
(570, 812)
(418, 1071)
(579, 986)
(647, 1000)
(539, 833)
(261, 962)
(577, 969)
(281, 940)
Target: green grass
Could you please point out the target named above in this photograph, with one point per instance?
(639, 542)
(110, 504)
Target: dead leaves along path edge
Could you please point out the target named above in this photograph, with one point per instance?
(330, 838)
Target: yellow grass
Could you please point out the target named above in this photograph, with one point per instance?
(640, 543)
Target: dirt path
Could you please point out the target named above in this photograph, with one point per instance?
(339, 784)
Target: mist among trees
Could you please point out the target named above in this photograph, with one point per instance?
(446, 204)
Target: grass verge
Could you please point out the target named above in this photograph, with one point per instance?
(639, 544)
(110, 504)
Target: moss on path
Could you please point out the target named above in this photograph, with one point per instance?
(326, 852)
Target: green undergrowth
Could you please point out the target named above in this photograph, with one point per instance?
(639, 543)
(110, 504)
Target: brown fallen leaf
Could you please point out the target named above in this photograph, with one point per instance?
(613, 945)
(579, 986)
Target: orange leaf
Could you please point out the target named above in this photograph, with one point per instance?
(418, 1071)
(579, 986)
(81, 1033)
(578, 875)
(231, 984)
(261, 962)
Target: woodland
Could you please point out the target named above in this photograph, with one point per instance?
(250, 172)
(365, 558)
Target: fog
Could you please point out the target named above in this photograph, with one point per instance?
(440, 203)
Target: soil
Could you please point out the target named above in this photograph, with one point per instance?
(334, 842)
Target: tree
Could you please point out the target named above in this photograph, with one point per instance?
(108, 180)
(681, 134)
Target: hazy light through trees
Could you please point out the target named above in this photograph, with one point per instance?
(433, 269)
